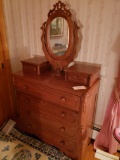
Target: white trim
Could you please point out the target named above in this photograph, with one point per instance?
(94, 134)
(104, 155)
(9, 126)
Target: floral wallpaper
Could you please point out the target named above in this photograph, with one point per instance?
(99, 22)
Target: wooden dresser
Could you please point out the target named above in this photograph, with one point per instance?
(51, 109)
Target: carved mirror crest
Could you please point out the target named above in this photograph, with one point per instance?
(59, 37)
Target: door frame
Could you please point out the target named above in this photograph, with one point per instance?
(7, 64)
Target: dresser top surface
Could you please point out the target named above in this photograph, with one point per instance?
(35, 60)
(51, 80)
(84, 68)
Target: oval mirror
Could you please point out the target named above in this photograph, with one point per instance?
(59, 36)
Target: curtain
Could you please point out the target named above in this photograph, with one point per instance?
(105, 139)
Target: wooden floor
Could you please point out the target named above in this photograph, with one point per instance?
(90, 153)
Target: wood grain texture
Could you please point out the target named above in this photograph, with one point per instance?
(6, 87)
(49, 107)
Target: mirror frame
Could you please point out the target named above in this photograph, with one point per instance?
(60, 62)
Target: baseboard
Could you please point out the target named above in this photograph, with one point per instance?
(104, 155)
(96, 130)
(8, 126)
(95, 133)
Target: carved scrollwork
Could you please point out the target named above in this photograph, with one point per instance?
(84, 101)
(59, 7)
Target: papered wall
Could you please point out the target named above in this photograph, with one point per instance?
(100, 42)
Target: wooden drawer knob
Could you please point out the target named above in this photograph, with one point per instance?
(63, 99)
(62, 129)
(63, 114)
(62, 143)
(25, 87)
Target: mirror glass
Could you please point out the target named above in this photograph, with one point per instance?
(59, 36)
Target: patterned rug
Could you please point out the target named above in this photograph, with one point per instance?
(20, 146)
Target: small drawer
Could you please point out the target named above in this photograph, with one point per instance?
(48, 94)
(82, 79)
(35, 65)
(52, 123)
(83, 73)
(48, 108)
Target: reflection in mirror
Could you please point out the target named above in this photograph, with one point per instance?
(59, 36)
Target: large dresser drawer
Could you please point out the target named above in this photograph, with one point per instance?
(64, 144)
(55, 96)
(48, 108)
(52, 123)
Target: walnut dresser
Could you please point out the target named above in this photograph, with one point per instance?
(51, 109)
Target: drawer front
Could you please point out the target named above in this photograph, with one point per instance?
(53, 124)
(81, 79)
(48, 108)
(66, 145)
(30, 68)
(52, 95)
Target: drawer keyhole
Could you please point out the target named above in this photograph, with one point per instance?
(62, 129)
